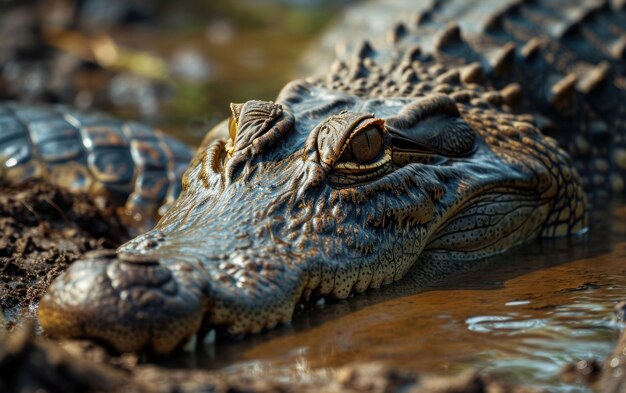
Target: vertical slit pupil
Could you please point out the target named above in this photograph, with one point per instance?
(365, 147)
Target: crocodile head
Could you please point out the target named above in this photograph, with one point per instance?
(323, 193)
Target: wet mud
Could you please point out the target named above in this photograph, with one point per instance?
(43, 229)
(36, 364)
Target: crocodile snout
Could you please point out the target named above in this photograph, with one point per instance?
(132, 306)
(145, 297)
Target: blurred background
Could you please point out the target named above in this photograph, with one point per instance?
(175, 65)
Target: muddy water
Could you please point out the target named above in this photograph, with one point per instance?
(522, 315)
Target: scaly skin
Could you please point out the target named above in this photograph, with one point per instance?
(398, 158)
(563, 61)
(132, 165)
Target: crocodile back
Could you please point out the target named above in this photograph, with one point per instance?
(563, 61)
(131, 165)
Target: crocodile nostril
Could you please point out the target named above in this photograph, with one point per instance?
(151, 243)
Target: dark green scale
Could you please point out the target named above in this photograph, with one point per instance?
(131, 164)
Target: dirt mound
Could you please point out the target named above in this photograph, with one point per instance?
(42, 230)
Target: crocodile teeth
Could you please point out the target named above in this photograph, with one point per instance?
(209, 338)
(190, 345)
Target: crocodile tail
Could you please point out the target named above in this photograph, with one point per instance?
(136, 168)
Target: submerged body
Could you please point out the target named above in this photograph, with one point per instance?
(402, 157)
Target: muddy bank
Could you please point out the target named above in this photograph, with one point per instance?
(29, 363)
(43, 229)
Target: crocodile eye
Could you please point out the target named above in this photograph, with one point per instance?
(232, 128)
(364, 147)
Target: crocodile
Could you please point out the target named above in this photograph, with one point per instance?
(473, 128)
(125, 164)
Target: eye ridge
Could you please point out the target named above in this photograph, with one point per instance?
(453, 138)
(232, 128)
